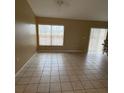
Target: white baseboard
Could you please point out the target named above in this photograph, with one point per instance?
(60, 51)
(24, 65)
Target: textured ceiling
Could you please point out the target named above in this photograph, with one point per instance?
(71, 9)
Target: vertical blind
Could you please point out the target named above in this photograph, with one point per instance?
(97, 37)
(51, 35)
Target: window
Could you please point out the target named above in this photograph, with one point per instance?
(51, 35)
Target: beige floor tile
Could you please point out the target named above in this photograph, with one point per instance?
(28, 74)
(102, 90)
(68, 92)
(97, 84)
(91, 77)
(64, 78)
(54, 79)
(24, 80)
(45, 79)
(20, 74)
(80, 91)
(46, 73)
(43, 88)
(34, 80)
(71, 73)
(104, 83)
(73, 78)
(54, 73)
(36, 74)
(66, 86)
(91, 91)
(77, 85)
(56, 92)
(87, 84)
(20, 88)
(17, 79)
(55, 87)
(63, 73)
(31, 88)
(101, 77)
(83, 77)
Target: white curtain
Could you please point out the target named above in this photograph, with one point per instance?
(97, 37)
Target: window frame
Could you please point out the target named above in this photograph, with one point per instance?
(38, 37)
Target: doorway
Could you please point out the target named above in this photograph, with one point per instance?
(97, 37)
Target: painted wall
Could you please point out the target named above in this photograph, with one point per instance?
(76, 33)
(25, 33)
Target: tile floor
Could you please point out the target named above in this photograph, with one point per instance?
(64, 73)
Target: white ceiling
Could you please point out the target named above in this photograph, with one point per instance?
(71, 9)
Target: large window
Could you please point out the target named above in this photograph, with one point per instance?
(51, 35)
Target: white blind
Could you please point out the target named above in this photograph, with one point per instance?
(97, 37)
(51, 35)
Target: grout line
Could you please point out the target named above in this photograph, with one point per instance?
(40, 79)
(50, 74)
(59, 73)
